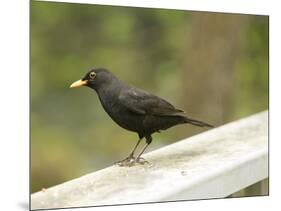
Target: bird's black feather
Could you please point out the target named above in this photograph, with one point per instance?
(132, 108)
(144, 103)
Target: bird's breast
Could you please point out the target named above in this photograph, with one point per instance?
(120, 114)
(125, 118)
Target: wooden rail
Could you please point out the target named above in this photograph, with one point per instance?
(213, 164)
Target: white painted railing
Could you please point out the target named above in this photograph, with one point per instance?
(213, 164)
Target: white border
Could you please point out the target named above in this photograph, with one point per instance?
(249, 7)
(15, 103)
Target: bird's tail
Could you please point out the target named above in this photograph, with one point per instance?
(196, 122)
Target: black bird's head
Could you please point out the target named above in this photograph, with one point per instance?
(95, 79)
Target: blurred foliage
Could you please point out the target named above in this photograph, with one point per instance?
(214, 66)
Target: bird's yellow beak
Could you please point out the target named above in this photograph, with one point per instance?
(78, 83)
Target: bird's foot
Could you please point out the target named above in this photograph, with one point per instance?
(141, 160)
(127, 161)
(131, 161)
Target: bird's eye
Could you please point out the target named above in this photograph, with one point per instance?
(92, 75)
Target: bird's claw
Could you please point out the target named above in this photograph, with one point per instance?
(131, 161)
(125, 161)
(141, 160)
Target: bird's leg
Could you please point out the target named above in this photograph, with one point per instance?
(128, 160)
(139, 159)
(133, 152)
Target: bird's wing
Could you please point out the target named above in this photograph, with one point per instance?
(141, 102)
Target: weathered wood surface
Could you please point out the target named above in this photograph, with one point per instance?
(213, 164)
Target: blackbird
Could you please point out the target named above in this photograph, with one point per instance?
(134, 109)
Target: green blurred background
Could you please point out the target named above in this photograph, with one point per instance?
(214, 66)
